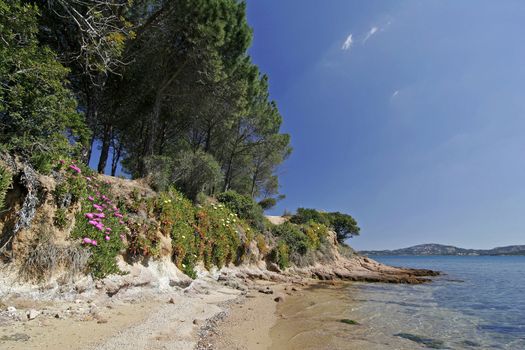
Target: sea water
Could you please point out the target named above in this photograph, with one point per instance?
(478, 303)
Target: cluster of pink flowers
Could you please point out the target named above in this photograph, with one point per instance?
(96, 217)
(75, 168)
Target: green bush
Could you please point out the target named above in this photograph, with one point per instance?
(305, 215)
(344, 225)
(245, 207)
(196, 172)
(5, 183)
(280, 254)
(292, 235)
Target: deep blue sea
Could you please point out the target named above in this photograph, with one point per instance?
(479, 302)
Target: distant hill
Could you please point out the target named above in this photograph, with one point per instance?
(439, 249)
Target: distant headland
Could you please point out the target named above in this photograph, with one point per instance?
(439, 249)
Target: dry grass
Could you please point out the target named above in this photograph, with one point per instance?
(46, 258)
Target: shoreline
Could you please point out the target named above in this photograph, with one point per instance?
(235, 308)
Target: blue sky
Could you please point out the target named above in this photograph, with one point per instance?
(409, 115)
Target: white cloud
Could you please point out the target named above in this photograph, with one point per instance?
(348, 43)
(371, 32)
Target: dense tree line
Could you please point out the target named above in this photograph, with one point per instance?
(166, 87)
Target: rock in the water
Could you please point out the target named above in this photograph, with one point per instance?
(196, 322)
(428, 342)
(348, 321)
(32, 314)
(278, 299)
(172, 301)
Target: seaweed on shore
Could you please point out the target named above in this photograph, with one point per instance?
(428, 342)
(348, 321)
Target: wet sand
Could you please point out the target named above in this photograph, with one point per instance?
(307, 318)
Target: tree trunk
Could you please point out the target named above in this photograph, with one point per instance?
(106, 143)
(116, 159)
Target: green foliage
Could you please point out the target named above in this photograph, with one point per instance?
(305, 215)
(5, 183)
(195, 172)
(142, 240)
(292, 235)
(315, 233)
(245, 207)
(280, 254)
(344, 225)
(268, 203)
(261, 244)
(60, 219)
(217, 226)
(177, 217)
(106, 241)
(38, 117)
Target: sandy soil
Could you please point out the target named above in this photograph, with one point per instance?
(154, 321)
(247, 324)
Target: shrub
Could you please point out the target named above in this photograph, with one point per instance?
(261, 244)
(305, 215)
(196, 172)
(280, 254)
(315, 233)
(344, 225)
(292, 235)
(159, 172)
(245, 207)
(5, 183)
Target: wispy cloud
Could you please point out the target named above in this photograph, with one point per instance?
(395, 94)
(369, 34)
(348, 43)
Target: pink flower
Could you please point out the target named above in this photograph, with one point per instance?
(94, 242)
(100, 227)
(93, 222)
(108, 229)
(75, 168)
(91, 198)
(107, 238)
(62, 161)
(121, 222)
(88, 178)
(118, 215)
(89, 215)
(86, 240)
(100, 215)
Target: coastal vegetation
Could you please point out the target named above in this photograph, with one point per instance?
(162, 92)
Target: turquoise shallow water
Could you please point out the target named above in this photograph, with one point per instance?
(478, 304)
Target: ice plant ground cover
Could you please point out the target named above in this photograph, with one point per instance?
(99, 225)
